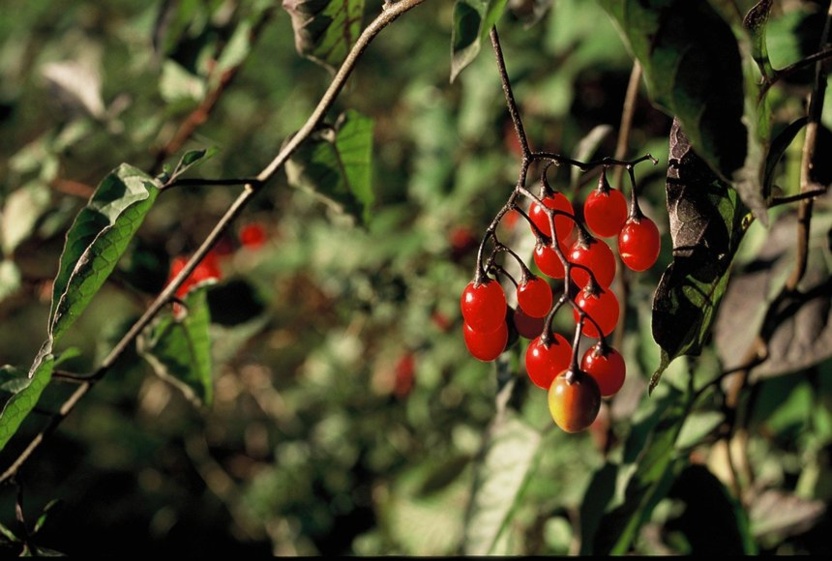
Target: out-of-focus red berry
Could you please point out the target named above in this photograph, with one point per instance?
(253, 235)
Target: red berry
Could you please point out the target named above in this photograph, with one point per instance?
(526, 325)
(605, 211)
(544, 362)
(595, 255)
(639, 243)
(253, 235)
(404, 371)
(563, 223)
(602, 306)
(483, 305)
(207, 269)
(607, 366)
(534, 296)
(574, 400)
(548, 261)
(486, 345)
(462, 241)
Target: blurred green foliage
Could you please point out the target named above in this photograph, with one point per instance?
(347, 415)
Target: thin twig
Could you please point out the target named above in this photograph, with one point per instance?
(814, 114)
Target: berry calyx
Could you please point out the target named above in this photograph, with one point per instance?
(607, 366)
(534, 296)
(546, 359)
(483, 305)
(564, 216)
(574, 400)
(639, 243)
(601, 305)
(605, 209)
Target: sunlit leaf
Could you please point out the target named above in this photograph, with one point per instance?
(97, 240)
(236, 50)
(325, 30)
(511, 448)
(336, 165)
(179, 350)
(23, 208)
(473, 20)
(706, 226)
(693, 70)
(178, 85)
(10, 279)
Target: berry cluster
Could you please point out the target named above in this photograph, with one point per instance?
(570, 248)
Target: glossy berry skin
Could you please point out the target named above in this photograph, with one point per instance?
(563, 224)
(483, 305)
(596, 256)
(602, 306)
(639, 243)
(534, 296)
(574, 400)
(605, 212)
(486, 345)
(606, 366)
(544, 362)
(548, 261)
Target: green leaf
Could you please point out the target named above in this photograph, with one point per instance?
(179, 350)
(509, 455)
(187, 161)
(755, 22)
(336, 165)
(21, 212)
(706, 226)
(657, 467)
(10, 278)
(96, 241)
(325, 30)
(693, 70)
(178, 85)
(25, 396)
(50, 506)
(473, 20)
(778, 147)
